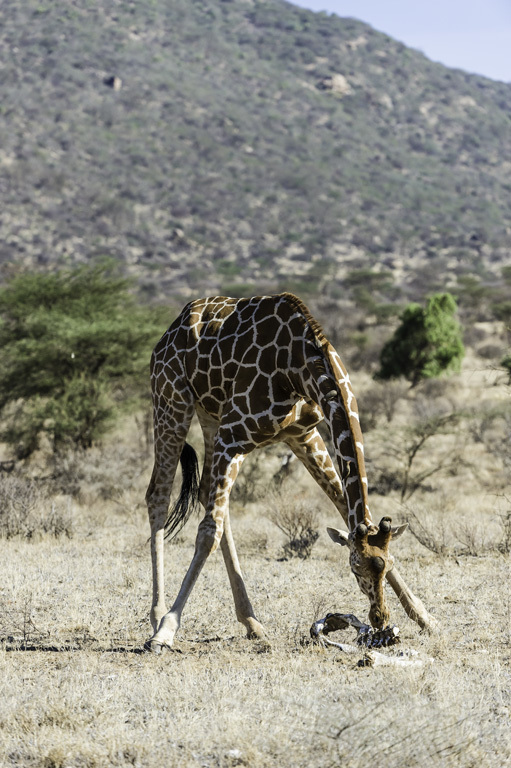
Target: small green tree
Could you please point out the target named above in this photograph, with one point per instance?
(426, 344)
(506, 364)
(75, 348)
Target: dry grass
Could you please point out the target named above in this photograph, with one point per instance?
(76, 691)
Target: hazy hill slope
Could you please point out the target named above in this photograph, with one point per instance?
(222, 162)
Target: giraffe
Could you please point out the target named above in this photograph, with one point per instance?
(257, 371)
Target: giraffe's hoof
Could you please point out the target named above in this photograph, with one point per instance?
(153, 646)
(259, 638)
(430, 626)
(255, 630)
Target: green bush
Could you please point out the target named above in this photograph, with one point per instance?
(426, 344)
(502, 311)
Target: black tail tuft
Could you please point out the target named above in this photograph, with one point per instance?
(189, 495)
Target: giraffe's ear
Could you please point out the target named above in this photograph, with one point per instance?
(398, 530)
(340, 537)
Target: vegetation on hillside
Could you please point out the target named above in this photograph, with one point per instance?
(228, 161)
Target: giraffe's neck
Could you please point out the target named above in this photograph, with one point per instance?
(329, 385)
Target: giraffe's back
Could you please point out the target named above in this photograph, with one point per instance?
(239, 352)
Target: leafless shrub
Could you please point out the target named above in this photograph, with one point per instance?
(435, 539)
(479, 425)
(491, 351)
(417, 438)
(466, 538)
(381, 399)
(144, 422)
(499, 442)
(298, 520)
(431, 390)
(17, 623)
(67, 473)
(473, 539)
(476, 542)
(251, 483)
(444, 738)
(26, 510)
(384, 481)
(321, 604)
(412, 464)
(302, 545)
(103, 472)
(504, 544)
(364, 350)
(488, 425)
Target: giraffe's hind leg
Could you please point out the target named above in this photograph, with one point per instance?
(171, 424)
(226, 464)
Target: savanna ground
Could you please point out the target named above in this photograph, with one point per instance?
(75, 689)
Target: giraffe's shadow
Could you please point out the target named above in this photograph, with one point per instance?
(187, 648)
(36, 647)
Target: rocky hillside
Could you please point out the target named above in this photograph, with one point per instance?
(246, 146)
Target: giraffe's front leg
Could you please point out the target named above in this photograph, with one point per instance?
(410, 602)
(244, 611)
(310, 448)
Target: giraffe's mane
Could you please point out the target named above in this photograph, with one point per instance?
(354, 425)
(298, 305)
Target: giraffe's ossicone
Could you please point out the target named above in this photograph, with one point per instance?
(257, 371)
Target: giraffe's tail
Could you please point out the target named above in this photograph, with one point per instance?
(188, 498)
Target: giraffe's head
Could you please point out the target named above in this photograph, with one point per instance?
(370, 561)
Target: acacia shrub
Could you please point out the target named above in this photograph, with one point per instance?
(75, 350)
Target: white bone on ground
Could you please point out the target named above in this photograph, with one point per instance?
(377, 659)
